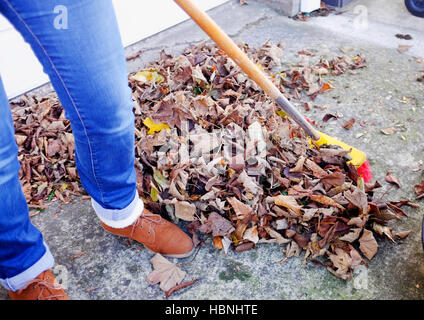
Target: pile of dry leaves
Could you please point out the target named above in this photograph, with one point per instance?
(209, 151)
(46, 150)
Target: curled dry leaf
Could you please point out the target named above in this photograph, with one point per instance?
(218, 225)
(20, 139)
(419, 190)
(308, 214)
(301, 240)
(404, 202)
(397, 210)
(358, 221)
(333, 179)
(179, 287)
(326, 201)
(242, 211)
(217, 242)
(391, 178)
(358, 198)
(288, 202)
(352, 235)
(389, 131)
(251, 234)
(299, 165)
(329, 116)
(292, 250)
(349, 124)
(318, 172)
(184, 210)
(276, 235)
(342, 263)
(401, 234)
(244, 246)
(380, 229)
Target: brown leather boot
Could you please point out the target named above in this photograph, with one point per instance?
(157, 235)
(44, 287)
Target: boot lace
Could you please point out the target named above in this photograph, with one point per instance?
(44, 286)
(148, 220)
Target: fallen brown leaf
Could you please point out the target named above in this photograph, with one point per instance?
(164, 272)
(349, 124)
(391, 178)
(389, 131)
(368, 245)
(326, 201)
(78, 255)
(179, 287)
(403, 48)
(288, 202)
(419, 190)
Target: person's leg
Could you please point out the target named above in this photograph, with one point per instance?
(83, 55)
(86, 65)
(80, 48)
(23, 254)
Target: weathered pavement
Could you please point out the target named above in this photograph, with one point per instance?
(384, 94)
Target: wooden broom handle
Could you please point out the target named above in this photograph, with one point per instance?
(238, 56)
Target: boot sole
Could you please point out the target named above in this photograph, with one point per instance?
(177, 256)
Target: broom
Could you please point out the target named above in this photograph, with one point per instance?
(358, 158)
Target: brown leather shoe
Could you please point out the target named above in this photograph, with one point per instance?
(157, 235)
(44, 287)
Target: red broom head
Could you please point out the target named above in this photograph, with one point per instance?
(365, 171)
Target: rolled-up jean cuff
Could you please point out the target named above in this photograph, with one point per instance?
(119, 218)
(21, 280)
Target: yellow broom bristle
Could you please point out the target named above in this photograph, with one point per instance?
(358, 157)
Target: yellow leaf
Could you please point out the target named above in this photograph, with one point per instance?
(155, 127)
(154, 193)
(234, 238)
(230, 172)
(147, 76)
(281, 113)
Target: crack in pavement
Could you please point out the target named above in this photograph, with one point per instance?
(241, 30)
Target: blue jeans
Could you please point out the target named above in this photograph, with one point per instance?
(82, 53)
